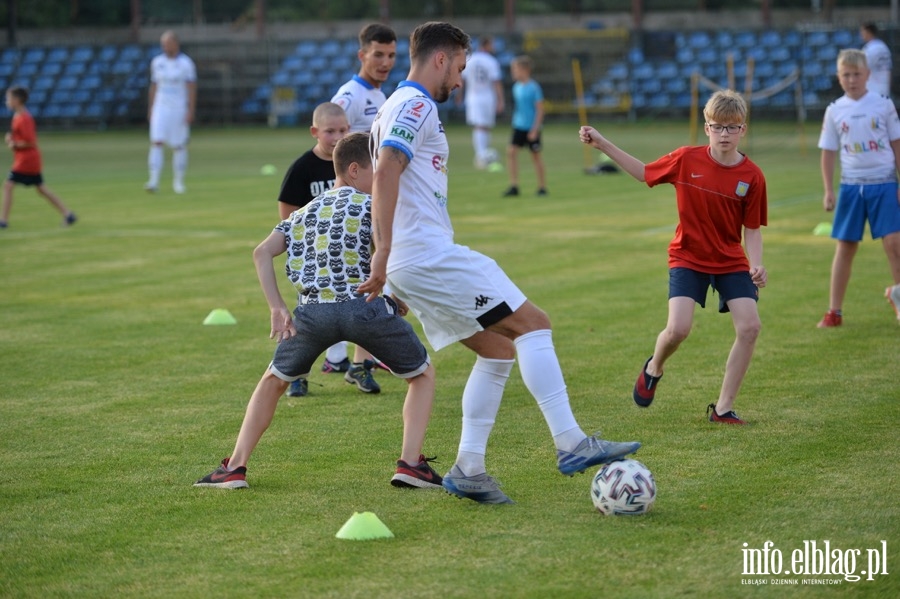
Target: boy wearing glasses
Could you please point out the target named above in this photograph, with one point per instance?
(721, 197)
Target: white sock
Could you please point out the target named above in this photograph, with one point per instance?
(543, 377)
(481, 140)
(155, 163)
(337, 352)
(179, 163)
(480, 402)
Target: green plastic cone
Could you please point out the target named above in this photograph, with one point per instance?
(822, 229)
(363, 527)
(220, 316)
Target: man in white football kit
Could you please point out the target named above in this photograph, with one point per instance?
(171, 102)
(457, 293)
(361, 97)
(878, 59)
(483, 85)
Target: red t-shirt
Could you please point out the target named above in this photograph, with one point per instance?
(715, 203)
(26, 161)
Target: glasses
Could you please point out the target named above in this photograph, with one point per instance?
(717, 128)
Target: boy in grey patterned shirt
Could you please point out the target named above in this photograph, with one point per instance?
(328, 243)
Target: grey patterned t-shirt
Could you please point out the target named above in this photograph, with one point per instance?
(329, 245)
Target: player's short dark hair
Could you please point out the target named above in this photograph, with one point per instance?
(351, 148)
(376, 32)
(18, 92)
(435, 36)
(871, 28)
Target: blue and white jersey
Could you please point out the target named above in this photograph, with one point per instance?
(409, 122)
(360, 101)
(861, 131)
(171, 76)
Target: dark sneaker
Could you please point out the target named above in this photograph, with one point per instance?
(831, 319)
(542, 191)
(481, 488)
(726, 418)
(592, 451)
(645, 387)
(893, 296)
(342, 366)
(70, 219)
(298, 388)
(3, 224)
(511, 192)
(418, 476)
(361, 376)
(223, 478)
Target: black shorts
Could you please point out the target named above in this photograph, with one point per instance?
(25, 179)
(520, 140)
(685, 282)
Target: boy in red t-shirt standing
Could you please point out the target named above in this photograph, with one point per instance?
(721, 199)
(26, 168)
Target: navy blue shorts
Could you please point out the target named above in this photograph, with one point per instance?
(25, 179)
(684, 282)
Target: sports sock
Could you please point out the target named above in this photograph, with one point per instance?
(155, 163)
(336, 353)
(481, 140)
(179, 163)
(544, 379)
(480, 402)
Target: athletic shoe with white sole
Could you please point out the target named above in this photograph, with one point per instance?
(591, 452)
(329, 367)
(223, 478)
(361, 376)
(481, 487)
(298, 388)
(417, 476)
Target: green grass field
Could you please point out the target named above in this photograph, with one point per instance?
(115, 397)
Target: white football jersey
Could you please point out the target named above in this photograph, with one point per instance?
(171, 76)
(878, 59)
(481, 73)
(361, 101)
(409, 122)
(861, 132)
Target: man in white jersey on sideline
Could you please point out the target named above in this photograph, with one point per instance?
(482, 84)
(456, 293)
(361, 97)
(171, 103)
(878, 59)
(862, 130)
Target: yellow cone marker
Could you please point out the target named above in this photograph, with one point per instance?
(823, 229)
(363, 527)
(220, 316)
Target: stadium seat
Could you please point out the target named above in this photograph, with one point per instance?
(75, 68)
(93, 111)
(350, 48)
(44, 83)
(82, 54)
(67, 83)
(724, 40)
(770, 39)
(293, 63)
(791, 39)
(779, 53)
(57, 55)
(51, 68)
(133, 53)
(306, 48)
(745, 40)
(302, 78)
(667, 70)
(7, 69)
(27, 70)
(91, 82)
(343, 63)
(10, 56)
(618, 71)
(685, 56)
(699, 40)
(330, 48)
(108, 53)
(842, 38)
(317, 63)
(817, 39)
(33, 55)
(758, 53)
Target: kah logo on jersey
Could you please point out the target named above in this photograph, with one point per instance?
(742, 189)
(403, 133)
(414, 113)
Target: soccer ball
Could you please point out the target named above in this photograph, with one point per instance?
(623, 487)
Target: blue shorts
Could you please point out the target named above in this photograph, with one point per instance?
(856, 203)
(26, 179)
(684, 282)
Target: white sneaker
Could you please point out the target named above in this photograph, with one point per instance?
(893, 296)
(150, 187)
(179, 187)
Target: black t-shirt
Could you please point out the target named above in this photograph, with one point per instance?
(307, 178)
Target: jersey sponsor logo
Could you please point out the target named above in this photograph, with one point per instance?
(481, 301)
(371, 110)
(403, 133)
(439, 164)
(742, 189)
(414, 113)
(343, 101)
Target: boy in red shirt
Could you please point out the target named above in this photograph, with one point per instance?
(721, 197)
(26, 168)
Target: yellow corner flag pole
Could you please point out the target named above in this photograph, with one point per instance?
(582, 111)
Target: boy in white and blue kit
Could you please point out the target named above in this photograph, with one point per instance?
(329, 246)
(864, 129)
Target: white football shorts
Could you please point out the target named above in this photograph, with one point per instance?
(456, 294)
(481, 111)
(169, 126)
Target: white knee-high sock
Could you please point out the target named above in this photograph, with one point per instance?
(543, 377)
(480, 402)
(337, 352)
(179, 163)
(155, 163)
(482, 140)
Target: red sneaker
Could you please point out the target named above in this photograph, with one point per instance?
(418, 476)
(831, 319)
(223, 478)
(645, 387)
(726, 418)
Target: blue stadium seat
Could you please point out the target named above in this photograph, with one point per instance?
(133, 53)
(57, 55)
(80, 96)
(843, 38)
(330, 48)
(343, 63)
(108, 53)
(792, 39)
(826, 53)
(75, 68)
(27, 70)
(36, 96)
(758, 53)
(764, 69)
(11, 56)
(82, 54)
(745, 40)
(699, 40)
(91, 82)
(93, 111)
(724, 40)
(33, 55)
(643, 71)
(618, 71)
(51, 68)
(7, 69)
(816, 39)
(105, 95)
(779, 53)
(293, 63)
(306, 48)
(709, 56)
(302, 78)
(667, 70)
(281, 79)
(635, 55)
(317, 63)
(67, 83)
(123, 66)
(783, 69)
(44, 83)
(770, 39)
(684, 56)
(350, 48)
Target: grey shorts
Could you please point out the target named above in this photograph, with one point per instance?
(373, 325)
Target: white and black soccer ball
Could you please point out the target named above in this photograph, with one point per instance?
(623, 487)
